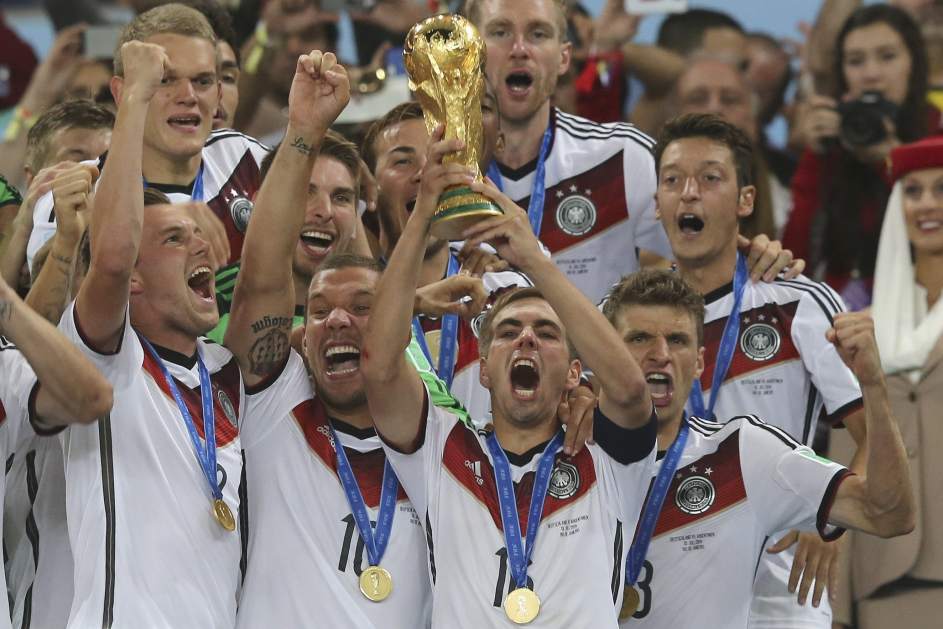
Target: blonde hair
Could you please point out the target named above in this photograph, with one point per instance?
(172, 18)
(472, 10)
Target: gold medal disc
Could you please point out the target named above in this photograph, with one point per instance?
(630, 602)
(376, 583)
(223, 515)
(522, 606)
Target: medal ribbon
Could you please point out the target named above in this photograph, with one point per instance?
(374, 541)
(448, 340)
(653, 504)
(535, 209)
(197, 193)
(728, 344)
(206, 456)
(518, 557)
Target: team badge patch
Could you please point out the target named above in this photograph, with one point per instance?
(760, 341)
(564, 481)
(576, 215)
(695, 495)
(240, 209)
(228, 409)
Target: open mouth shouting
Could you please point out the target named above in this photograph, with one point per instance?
(690, 224)
(187, 123)
(661, 387)
(519, 83)
(525, 379)
(316, 242)
(202, 284)
(341, 360)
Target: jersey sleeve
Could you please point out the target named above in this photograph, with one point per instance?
(789, 486)
(640, 183)
(625, 462)
(272, 401)
(832, 378)
(17, 389)
(119, 367)
(420, 471)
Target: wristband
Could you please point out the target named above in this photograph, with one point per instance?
(23, 120)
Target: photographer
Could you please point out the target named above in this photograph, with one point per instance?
(840, 190)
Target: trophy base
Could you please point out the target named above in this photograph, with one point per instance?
(459, 208)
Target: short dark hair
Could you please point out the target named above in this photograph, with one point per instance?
(335, 146)
(153, 196)
(505, 299)
(220, 21)
(404, 111)
(72, 114)
(714, 128)
(655, 287)
(683, 33)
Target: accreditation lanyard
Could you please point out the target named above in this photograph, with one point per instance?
(518, 554)
(448, 339)
(653, 504)
(197, 193)
(535, 209)
(205, 455)
(728, 344)
(374, 541)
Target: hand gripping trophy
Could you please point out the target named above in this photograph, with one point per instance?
(444, 57)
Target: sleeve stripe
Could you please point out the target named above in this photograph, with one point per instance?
(829, 313)
(819, 289)
(575, 122)
(836, 418)
(222, 134)
(773, 430)
(587, 135)
(821, 518)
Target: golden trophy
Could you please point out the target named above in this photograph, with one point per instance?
(444, 57)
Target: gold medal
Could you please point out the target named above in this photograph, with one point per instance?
(522, 606)
(376, 583)
(629, 603)
(223, 515)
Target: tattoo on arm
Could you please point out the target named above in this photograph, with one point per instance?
(299, 145)
(270, 349)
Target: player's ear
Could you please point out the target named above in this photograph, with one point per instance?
(137, 285)
(573, 374)
(746, 200)
(483, 377)
(116, 84)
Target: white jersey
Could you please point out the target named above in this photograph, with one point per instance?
(39, 566)
(737, 483)
(230, 182)
(147, 550)
(599, 207)
(785, 371)
(17, 386)
(305, 551)
(589, 515)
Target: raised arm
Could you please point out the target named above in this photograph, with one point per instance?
(624, 395)
(71, 389)
(394, 389)
(118, 211)
(880, 502)
(263, 302)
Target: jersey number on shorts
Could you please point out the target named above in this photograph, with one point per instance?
(504, 583)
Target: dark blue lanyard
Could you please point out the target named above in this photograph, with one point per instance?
(518, 556)
(197, 193)
(206, 456)
(728, 344)
(448, 339)
(374, 542)
(652, 508)
(535, 209)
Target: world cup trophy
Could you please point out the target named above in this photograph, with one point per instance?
(444, 57)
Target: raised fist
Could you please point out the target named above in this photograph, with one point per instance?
(144, 68)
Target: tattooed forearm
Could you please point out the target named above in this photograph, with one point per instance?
(299, 145)
(270, 322)
(269, 351)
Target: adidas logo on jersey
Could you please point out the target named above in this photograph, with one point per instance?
(476, 470)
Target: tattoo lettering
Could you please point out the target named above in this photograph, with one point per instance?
(270, 322)
(299, 145)
(269, 352)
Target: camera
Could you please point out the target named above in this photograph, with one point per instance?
(862, 119)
